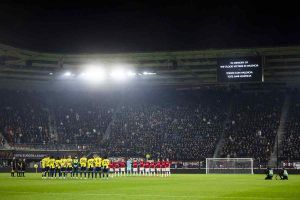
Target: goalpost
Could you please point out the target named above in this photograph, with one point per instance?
(229, 165)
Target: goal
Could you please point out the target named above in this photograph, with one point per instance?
(229, 166)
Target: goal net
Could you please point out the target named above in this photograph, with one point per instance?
(229, 166)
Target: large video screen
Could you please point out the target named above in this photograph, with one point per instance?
(247, 69)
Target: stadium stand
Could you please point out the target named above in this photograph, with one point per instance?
(290, 145)
(182, 126)
(81, 120)
(23, 118)
(253, 126)
(178, 124)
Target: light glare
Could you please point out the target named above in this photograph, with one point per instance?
(67, 74)
(149, 73)
(94, 75)
(131, 74)
(118, 74)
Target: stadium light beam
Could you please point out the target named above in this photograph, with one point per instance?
(131, 74)
(67, 74)
(149, 73)
(95, 75)
(121, 74)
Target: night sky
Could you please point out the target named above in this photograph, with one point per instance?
(132, 26)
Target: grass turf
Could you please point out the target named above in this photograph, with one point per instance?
(186, 186)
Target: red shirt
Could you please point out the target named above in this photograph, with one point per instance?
(116, 165)
(163, 164)
(167, 164)
(158, 165)
(135, 165)
(111, 165)
(147, 164)
(122, 164)
(152, 165)
(142, 164)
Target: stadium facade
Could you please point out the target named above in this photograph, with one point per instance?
(280, 64)
(208, 121)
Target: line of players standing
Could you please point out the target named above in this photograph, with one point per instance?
(94, 166)
(61, 167)
(140, 167)
(18, 166)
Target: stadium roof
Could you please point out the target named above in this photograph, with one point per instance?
(281, 64)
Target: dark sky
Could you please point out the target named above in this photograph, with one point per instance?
(132, 26)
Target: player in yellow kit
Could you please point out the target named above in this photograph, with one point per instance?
(52, 166)
(69, 165)
(47, 166)
(98, 162)
(63, 167)
(57, 167)
(105, 164)
(83, 164)
(43, 165)
(91, 165)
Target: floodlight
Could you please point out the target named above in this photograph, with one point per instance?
(131, 74)
(149, 73)
(119, 74)
(95, 74)
(67, 74)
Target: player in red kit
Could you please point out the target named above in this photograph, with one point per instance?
(135, 167)
(111, 169)
(168, 167)
(147, 169)
(142, 167)
(163, 168)
(158, 167)
(117, 168)
(152, 168)
(122, 167)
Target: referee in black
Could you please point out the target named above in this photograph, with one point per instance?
(19, 167)
(13, 166)
(23, 167)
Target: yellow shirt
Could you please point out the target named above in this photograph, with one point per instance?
(52, 163)
(57, 163)
(43, 162)
(83, 161)
(63, 162)
(90, 162)
(69, 162)
(105, 163)
(98, 161)
(47, 160)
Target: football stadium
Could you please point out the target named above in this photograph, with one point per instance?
(206, 123)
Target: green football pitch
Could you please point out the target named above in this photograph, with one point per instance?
(175, 187)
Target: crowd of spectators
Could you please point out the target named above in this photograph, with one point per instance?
(181, 126)
(290, 148)
(82, 119)
(177, 124)
(23, 118)
(252, 126)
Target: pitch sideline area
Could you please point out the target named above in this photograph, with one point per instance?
(189, 186)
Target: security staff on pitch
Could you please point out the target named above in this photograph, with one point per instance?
(283, 174)
(13, 165)
(269, 173)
